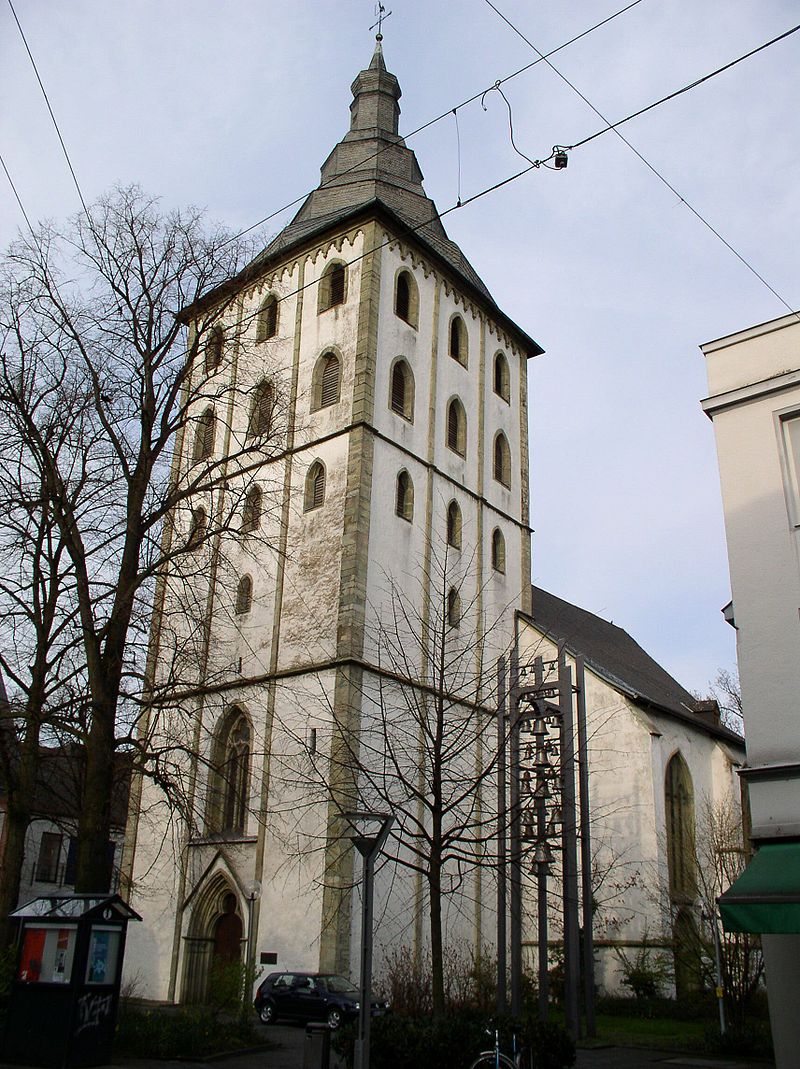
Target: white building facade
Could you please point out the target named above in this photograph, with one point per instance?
(754, 403)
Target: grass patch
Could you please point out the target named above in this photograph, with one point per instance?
(651, 1032)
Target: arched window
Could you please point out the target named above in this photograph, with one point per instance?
(267, 319)
(332, 287)
(404, 496)
(244, 595)
(502, 459)
(457, 427)
(326, 381)
(401, 395)
(197, 528)
(454, 525)
(230, 774)
(406, 298)
(315, 486)
(216, 340)
(498, 551)
(260, 421)
(453, 607)
(679, 804)
(502, 384)
(251, 513)
(204, 435)
(458, 340)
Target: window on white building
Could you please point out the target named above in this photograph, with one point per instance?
(790, 429)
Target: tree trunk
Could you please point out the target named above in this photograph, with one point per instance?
(93, 871)
(437, 953)
(21, 790)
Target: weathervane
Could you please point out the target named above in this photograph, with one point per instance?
(382, 14)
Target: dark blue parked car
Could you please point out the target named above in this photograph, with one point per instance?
(307, 996)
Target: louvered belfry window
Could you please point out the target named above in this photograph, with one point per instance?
(251, 513)
(498, 550)
(315, 486)
(329, 381)
(244, 594)
(404, 497)
(456, 427)
(268, 319)
(399, 388)
(402, 304)
(337, 285)
(204, 435)
(261, 411)
(501, 378)
(453, 607)
(502, 460)
(458, 340)
(454, 525)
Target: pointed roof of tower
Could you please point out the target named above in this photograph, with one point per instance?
(371, 166)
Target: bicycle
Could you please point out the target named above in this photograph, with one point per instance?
(495, 1059)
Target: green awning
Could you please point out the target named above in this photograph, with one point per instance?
(766, 897)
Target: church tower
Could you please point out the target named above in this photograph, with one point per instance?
(398, 472)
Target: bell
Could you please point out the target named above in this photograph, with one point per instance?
(542, 791)
(539, 726)
(542, 855)
(542, 759)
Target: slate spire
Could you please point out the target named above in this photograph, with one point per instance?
(372, 165)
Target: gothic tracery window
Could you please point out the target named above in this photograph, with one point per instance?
(679, 804)
(230, 775)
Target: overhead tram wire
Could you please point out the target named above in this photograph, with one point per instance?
(537, 164)
(614, 127)
(49, 108)
(450, 111)
(17, 196)
(412, 133)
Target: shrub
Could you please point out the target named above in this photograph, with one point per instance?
(193, 1032)
(753, 1039)
(398, 1042)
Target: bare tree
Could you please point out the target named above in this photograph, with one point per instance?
(727, 693)
(425, 745)
(102, 383)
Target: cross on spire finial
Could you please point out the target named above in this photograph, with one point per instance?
(382, 14)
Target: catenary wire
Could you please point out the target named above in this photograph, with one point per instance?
(454, 110)
(16, 194)
(49, 108)
(663, 100)
(536, 164)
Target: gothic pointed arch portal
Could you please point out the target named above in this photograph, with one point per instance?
(214, 939)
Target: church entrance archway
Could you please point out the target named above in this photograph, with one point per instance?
(213, 944)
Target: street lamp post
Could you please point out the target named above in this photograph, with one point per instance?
(369, 846)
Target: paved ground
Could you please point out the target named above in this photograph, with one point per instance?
(290, 1042)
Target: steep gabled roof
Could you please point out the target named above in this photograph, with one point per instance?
(619, 659)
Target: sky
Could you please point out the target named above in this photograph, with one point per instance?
(234, 106)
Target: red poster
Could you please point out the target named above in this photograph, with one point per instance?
(30, 965)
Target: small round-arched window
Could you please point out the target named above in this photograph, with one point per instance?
(244, 595)
(315, 486)
(498, 551)
(502, 383)
(404, 496)
(456, 427)
(454, 525)
(458, 340)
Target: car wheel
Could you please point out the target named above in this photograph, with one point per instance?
(334, 1017)
(267, 1013)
